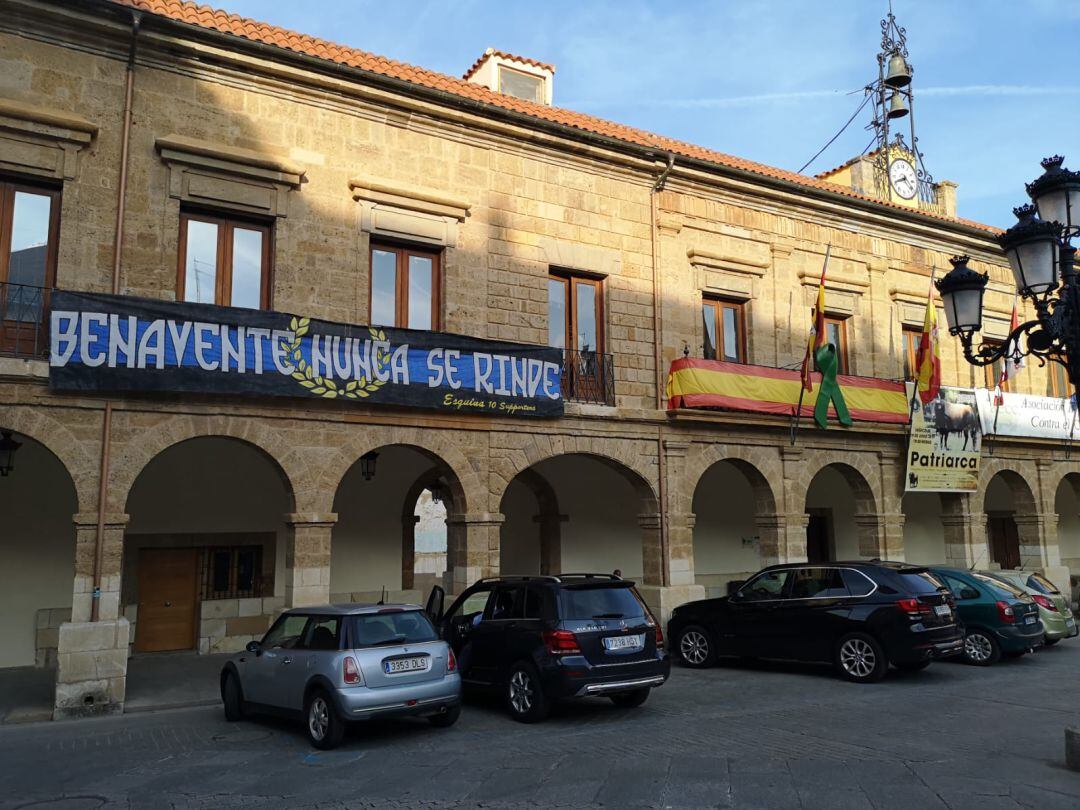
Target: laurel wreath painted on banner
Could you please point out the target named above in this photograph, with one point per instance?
(321, 386)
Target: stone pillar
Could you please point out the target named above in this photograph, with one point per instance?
(652, 556)
(793, 520)
(773, 539)
(307, 558)
(408, 551)
(550, 528)
(472, 548)
(868, 529)
(1051, 543)
(91, 673)
(965, 544)
(892, 537)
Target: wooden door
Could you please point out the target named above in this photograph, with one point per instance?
(1004, 541)
(817, 537)
(168, 582)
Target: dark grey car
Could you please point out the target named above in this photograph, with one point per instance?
(335, 664)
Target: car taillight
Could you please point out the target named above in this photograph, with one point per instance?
(659, 636)
(561, 642)
(451, 661)
(350, 671)
(1006, 613)
(1044, 602)
(910, 606)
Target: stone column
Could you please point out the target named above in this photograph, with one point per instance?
(791, 537)
(891, 529)
(91, 673)
(869, 530)
(408, 551)
(472, 548)
(652, 557)
(892, 537)
(1051, 544)
(773, 539)
(681, 587)
(307, 558)
(550, 528)
(965, 544)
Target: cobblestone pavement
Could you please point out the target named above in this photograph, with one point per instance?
(767, 736)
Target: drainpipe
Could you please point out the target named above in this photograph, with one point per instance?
(661, 377)
(118, 238)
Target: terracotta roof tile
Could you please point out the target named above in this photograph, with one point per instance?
(495, 52)
(213, 19)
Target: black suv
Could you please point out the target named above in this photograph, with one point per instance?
(538, 639)
(858, 616)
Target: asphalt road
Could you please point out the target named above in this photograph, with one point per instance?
(768, 736)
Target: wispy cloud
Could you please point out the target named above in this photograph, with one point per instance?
(759, 99)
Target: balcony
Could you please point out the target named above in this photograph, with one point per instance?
(588, 377)
(24, 321)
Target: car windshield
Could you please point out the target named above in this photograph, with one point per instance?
(920, 582)
(1041, 584)
(391, 627)
(1003, 587)
(603, 602)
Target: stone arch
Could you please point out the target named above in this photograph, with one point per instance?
(1025, 519)
(463, 479)
(641, 490)
(1067, 512)
(82, 465)
(149, 440)
(859, 476)
(757, 464)
(627, 458)
(409, 520)
(739, 507)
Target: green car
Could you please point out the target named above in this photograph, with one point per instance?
(1058, 621)
(999, 618)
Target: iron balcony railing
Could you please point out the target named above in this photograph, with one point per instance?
(24, 320)
(588, 376)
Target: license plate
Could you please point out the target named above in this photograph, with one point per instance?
(1031, 620)
(942, 610)
(406, 665)
(624, 642)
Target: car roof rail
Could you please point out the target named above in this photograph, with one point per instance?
(610, 577)
(518, 578)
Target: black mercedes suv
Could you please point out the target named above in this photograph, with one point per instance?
(538, 639)
(858, 616)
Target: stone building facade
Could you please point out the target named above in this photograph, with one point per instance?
(141, 115)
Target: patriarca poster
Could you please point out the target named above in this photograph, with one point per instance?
(123, 343)
(945, 443)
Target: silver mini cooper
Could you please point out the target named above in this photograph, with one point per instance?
(338, 663)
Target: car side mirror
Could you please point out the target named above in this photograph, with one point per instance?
(737, 596)
(969, 593)
(253, 647)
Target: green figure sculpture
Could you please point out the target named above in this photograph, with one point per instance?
(830, 388)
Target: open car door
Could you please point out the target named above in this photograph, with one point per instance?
(434, 608)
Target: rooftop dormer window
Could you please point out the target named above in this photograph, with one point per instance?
(521, 85)
(516, 76)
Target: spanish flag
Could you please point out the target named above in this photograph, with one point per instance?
(928, 358)
(816, 338)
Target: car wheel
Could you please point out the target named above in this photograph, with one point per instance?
(630, 700)
(860, 658)
(1050, 642)
(696, 648)
(324, 728)
(980, 648)
(233, 698)
(447, 718)
(525, 698)
(913, 666)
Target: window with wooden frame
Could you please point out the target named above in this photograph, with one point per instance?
(575, 312)
(992, 372)
(29, 236)
(912, 337)
(836, 334)
(1058, 381)
(723, 329)
(405, 287)
(224, 260)
(231, 572)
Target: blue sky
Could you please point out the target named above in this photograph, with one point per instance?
(995, 80)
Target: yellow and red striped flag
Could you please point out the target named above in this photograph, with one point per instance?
(928, 357)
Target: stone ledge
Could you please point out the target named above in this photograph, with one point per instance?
(78, 129)
(182, 149)
(412, 198)
(18, 367)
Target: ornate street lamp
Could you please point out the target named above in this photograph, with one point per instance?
(367, 465)
(8, 446)
(1043, 263)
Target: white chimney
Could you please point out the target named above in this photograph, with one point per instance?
(516, 76)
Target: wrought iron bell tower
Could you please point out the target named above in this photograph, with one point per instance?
(895, 141)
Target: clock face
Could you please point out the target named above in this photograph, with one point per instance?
(903, 179)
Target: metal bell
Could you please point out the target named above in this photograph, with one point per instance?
(899, 72)
(898, 107)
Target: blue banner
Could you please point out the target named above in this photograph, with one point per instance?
(122, 343)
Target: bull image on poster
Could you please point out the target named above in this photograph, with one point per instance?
(945, 443)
